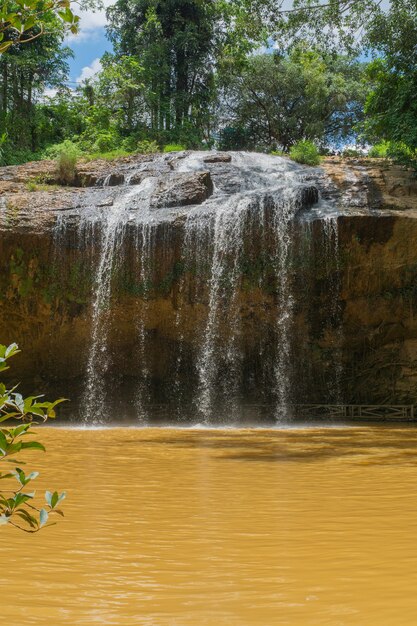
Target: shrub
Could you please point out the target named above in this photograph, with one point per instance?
(233, 138)
(129, 144)
(53, 151)
(106, 156)
(105, 141)
(31, 185)
(380, 150)
(305, 152)
(402, 154)
(279, 153)
(147, 147)
(18, 506)
(67, 154)
(173, 147)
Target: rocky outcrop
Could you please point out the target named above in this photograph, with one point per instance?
(182, 190)
(354, 295)
(372, 184)
(218, 157)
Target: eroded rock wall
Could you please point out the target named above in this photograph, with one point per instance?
(353, 328)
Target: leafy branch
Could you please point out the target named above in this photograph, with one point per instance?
(22, 21)
(18, 507)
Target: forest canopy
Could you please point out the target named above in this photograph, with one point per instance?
(238, 74)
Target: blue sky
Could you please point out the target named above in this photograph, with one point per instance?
(89, 45)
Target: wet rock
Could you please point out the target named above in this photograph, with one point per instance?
(218, 157)
(114, 179)
(308, 196)
(137, 178)
(183, 189)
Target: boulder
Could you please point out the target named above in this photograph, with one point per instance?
(183, 189)
(218, 157)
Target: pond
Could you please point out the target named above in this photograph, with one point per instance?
(198, 527)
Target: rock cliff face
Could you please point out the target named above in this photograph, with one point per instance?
(234, 285)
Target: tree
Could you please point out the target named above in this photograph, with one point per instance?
(25, 72)
(278, 100)
(174, 42)
(116, 98)
(18, 507)
(391, 107)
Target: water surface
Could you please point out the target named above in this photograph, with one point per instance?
(221, 527)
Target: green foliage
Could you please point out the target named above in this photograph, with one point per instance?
(403, 154)
(391, 107)
(23, 22)
(276, 100)
(380, 150)
(176, 44)
(173, 147)
(305, 152)
(25, 72)
(147, 146)
(233, 138)
(67, 155)
(105, 141)
(106, 156)
(182, 73)
(19, 507)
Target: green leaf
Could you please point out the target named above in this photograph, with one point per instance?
(32, 444)
(3, 441)
(11, 350)
(48, 498)
(30, 519)
(54, 499)
(43, 517)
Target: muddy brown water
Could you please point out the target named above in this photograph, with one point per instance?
(195, 527)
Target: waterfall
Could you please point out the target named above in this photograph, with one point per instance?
(221, 272)
(144, 249)
(98, 358)
(219, 364)
(113, 225)
(223, 294)
(332, 255)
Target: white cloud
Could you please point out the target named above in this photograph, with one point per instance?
(91, 22)
(50, 92)
(89, 71)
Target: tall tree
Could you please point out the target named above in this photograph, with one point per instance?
(25, 72)
(174, 42)
(280, 99)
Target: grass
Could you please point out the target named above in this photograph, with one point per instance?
(174, 147)
(112, 155)
(32, 185)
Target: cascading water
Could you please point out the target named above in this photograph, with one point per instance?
(332, 253)
(97, 365)
(112, 233)
(273, 206)
(196, 266)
